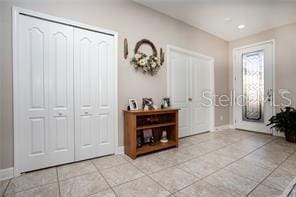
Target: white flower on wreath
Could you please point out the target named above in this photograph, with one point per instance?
(138, 56)
(153, 65)
(142, 62)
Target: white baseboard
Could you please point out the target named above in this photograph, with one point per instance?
(6, 174)
(231, 126)
(278, 134)
(223, 127)
(120, 150)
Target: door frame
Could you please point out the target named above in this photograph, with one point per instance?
(171, 48)
(16, 11)
(234, 50)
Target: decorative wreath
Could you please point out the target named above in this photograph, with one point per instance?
(148, 64)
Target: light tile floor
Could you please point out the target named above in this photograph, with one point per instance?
(225, 163)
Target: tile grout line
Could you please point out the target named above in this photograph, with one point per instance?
(60, 194)
(225, 167)
(209, 153)
(212, 150)
(5, 190)
(92, 162)
(147, 175)
(199, 179)
(271, 173)
(72, 177)
(34, 187)
(175, 165)
(258, 148)
(126, 181)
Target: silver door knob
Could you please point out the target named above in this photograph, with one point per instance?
(269, 94)
(86, 113)
(190, 99)
(60, 113)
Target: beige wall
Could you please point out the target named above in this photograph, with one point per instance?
(285, 58)
(130, 20)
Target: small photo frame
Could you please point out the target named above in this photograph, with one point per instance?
(148, 136)
(133, 104)
(166, 102)
(148, 103)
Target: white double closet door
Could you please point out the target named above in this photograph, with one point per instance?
(190, 89)
(65, 94)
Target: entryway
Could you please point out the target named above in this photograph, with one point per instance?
(253, 86)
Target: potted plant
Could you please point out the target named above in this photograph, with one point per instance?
(285, 121)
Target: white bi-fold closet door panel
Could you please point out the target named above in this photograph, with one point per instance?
(190, 83)
(64, 84)
(94, 82)
(45, 101)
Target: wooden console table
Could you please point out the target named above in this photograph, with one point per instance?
(157, 120)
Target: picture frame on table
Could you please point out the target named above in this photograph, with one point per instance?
(166, 103)
(148, 104)
(133, 105)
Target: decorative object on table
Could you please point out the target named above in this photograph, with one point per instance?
(153, 119)
(147, 63)
(166, 102)
(164, 137)
(155, 107)
(148, 136)
(161, 56)
(133, 104)
(148, 104)
(285, 121)
(125, 48)
(139, 140)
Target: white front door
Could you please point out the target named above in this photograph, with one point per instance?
(253, 85)
(45, 102)
(189, 76)
(94, 88)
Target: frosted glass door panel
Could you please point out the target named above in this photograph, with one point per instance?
(253, 86)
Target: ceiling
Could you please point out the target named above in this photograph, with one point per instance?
(222, 17)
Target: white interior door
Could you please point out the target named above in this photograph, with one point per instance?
(253, 83)
(94, 88)
(188, 77)
(59, 67)
(180, 90)
(61, 101)
(201, 77)
(44, 93)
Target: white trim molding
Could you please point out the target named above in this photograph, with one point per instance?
(120, 150)
(6, 174)
(223, 127)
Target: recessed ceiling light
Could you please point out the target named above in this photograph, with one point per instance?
(227, 19)
(241, 26)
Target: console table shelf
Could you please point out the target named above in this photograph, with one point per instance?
(157, 120)
(156, 125)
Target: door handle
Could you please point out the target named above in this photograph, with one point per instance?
(61, 114)
(269, 94)
(190, 99)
